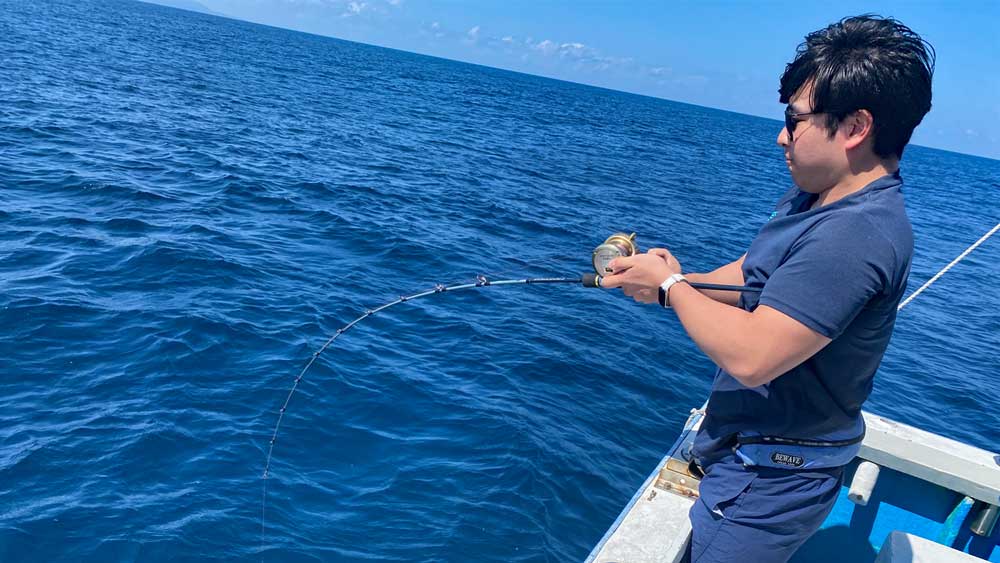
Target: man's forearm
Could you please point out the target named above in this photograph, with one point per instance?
(727, 334)
(753, 347)
(727, 297)
(722, 331)
(730, 274)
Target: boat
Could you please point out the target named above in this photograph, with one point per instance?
(908, 496)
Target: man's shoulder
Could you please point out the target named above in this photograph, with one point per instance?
(879, 236)
(878, 220)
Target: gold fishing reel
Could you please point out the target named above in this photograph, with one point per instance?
(617, 245)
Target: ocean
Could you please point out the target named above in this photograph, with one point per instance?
(192, 205)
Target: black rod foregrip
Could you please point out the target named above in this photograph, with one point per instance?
(594, 280)
(723, 287)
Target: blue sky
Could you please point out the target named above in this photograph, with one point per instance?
(725, 55)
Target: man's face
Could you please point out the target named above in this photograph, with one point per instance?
(816, 161)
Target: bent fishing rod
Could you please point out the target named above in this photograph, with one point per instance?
(617, 245)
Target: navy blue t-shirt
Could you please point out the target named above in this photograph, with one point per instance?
(841, 270)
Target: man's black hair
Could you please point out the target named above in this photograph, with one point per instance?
(866, 62)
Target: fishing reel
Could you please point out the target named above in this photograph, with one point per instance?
(616, 246)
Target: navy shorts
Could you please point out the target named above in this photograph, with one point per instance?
(758, 514)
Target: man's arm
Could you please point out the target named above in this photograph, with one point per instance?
(730, 274)
(755, 348)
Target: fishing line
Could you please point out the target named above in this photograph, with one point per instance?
(481, 281)
(933, 279)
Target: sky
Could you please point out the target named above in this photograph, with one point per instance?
(726, 55)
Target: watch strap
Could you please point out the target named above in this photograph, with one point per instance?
(664, 293)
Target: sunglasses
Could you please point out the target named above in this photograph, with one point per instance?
(791, 121)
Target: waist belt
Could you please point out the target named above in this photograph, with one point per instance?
(792, 453)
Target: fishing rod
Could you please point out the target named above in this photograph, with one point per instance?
(617, 245)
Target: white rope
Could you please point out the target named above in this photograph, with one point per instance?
(948, 267)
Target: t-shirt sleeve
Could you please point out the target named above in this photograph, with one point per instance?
(830, 274)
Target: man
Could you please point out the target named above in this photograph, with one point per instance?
(796, 361)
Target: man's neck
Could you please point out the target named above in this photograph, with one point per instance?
(855, 182)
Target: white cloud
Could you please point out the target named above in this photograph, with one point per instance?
(432, 29)
(353, 9)
(472, 36)
(348, 7)
(581, 56)
(545, 47)
(584, 57)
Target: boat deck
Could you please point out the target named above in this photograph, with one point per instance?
(927, 486)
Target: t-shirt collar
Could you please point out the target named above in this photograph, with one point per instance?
(804, 200)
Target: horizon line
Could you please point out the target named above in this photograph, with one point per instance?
(214, 14)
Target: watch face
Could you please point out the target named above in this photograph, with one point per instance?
(663, 297)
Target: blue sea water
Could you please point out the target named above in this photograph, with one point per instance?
(192, 205)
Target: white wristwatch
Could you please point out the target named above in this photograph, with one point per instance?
(665, 288)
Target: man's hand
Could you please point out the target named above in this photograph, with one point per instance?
(640, 276)
(641, 295)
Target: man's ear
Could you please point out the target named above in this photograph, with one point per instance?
(859, 126)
